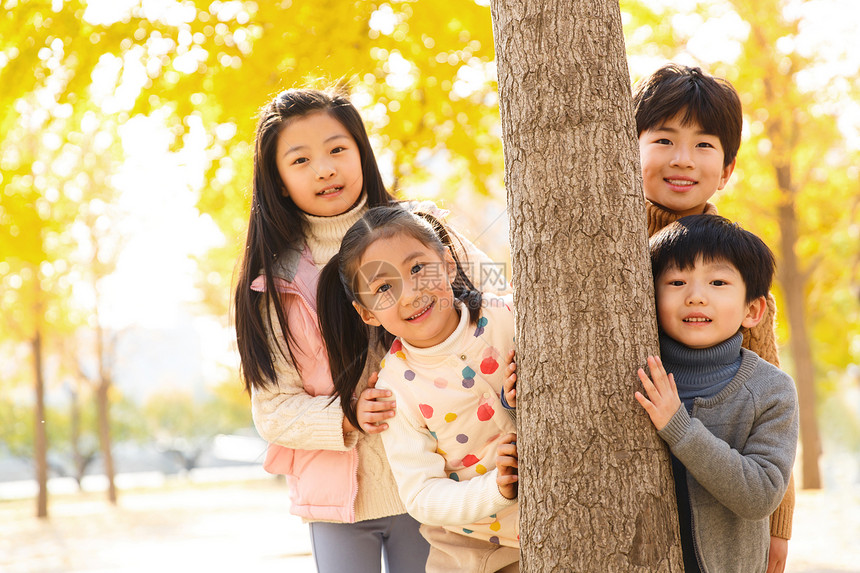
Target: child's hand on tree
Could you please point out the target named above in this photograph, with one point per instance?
(510, 385)
(663, 400)
(507, 462)
(372, 409)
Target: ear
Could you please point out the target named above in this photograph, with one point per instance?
(284, 191)
(366, 316)
(755, 312)
(726, 173)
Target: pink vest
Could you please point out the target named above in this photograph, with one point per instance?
(323, 484)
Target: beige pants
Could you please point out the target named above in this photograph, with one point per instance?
(455, 553)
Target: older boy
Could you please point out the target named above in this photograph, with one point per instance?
(730, 418)
(689, 126)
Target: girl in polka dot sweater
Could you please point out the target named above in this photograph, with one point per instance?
(451, 444)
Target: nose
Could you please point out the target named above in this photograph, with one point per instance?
(412, 293)
(695, 296)
(324, 170)
(681, 157)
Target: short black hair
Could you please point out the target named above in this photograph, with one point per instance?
(707, 100)
(714, 238)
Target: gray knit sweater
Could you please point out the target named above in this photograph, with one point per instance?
(738, 447)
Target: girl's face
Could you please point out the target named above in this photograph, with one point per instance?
(405, 287)
(320, 165)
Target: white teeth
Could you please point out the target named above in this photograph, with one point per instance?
(328, 191)
(416, 315)
(679, 182)
(697, 320)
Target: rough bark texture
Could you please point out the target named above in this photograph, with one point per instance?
(596, 489)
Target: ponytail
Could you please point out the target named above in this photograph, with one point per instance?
(346, 337)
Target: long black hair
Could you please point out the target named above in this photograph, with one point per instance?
(276, 225)
(346, 336)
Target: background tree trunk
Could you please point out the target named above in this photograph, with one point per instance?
(596, 488)
(785, 133)
(103, 409)
(794, 284)
(40, 437)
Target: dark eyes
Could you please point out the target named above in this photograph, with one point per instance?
(383, 288)
(664, 141)
(715, 282)
(334, 151)
(416, 268)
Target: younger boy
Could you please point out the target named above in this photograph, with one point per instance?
(734, 440)
(689, 127)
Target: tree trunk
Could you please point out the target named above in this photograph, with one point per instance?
(78, 459)
(596, 491)
(103, 409)
(784, 134)
(40, 435)
(793, 285)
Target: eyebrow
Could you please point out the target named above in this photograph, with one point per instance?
(723, 266)
(327, 140)
(406, 259)
(675, 130)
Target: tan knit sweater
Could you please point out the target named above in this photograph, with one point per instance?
(761, 339)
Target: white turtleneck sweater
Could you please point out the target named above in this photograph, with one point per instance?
(326, 233)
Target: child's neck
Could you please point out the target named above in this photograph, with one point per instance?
(325, 233)
(659, 216)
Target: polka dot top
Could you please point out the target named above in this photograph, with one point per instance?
(441, 444)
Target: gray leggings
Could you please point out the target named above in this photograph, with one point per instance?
(357, 547)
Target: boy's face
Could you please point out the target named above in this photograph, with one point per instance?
(682, 167)
(705, 305)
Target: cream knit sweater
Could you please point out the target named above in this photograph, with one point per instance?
(286, 415)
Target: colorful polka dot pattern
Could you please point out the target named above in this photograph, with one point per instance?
(458, 401)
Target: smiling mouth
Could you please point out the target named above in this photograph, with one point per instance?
(421, 312)
(697, 319)
(329, 191)
(680, 182)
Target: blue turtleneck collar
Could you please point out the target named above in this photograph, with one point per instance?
(701, 373)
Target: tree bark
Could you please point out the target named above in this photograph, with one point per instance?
(596, 489)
